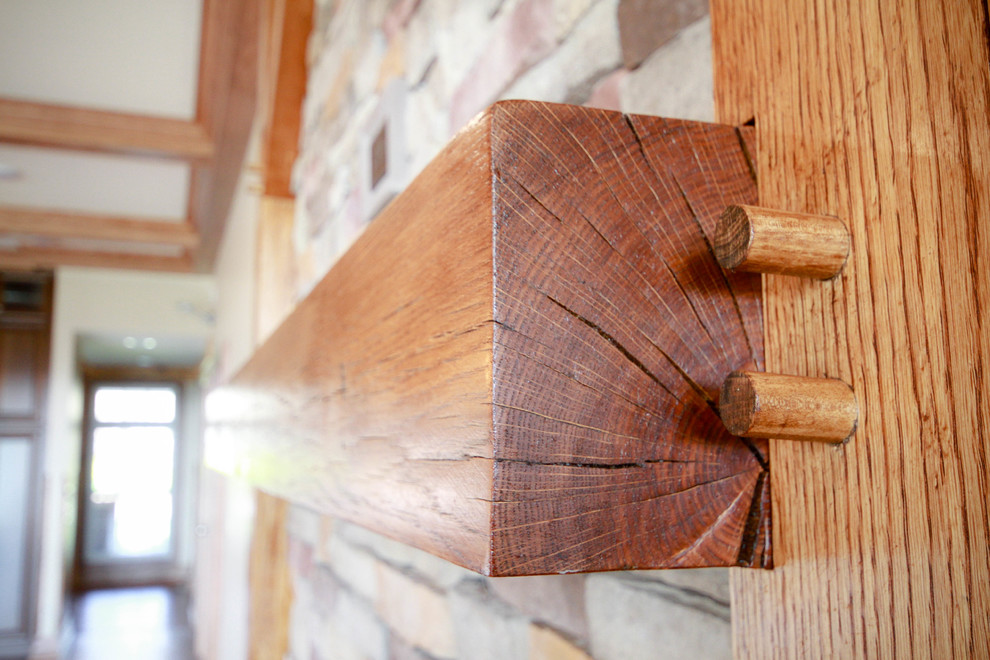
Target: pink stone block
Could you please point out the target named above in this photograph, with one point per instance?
(398, 17)
(300, 557)
(520, 41)
(607, 92)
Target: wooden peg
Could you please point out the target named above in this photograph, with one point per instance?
(758, 240)
(762, 405)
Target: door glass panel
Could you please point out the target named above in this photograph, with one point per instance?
(15, 498)
(134, 404)
(129, 505)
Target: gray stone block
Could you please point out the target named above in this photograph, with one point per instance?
(631, 619)
(676, 80)
(485, 627)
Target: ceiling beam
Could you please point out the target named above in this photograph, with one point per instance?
(46, 259)
(290, 23)
(228, 100)
(40, 124)
(59, 224)
(135, 373)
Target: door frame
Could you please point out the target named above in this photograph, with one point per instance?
(130, 571)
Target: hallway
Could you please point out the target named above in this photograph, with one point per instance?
(150, 623)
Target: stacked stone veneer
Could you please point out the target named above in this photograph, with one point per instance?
(360, 595)
(421, 70)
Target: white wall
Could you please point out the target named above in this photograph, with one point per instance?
(97, 301)
(226, 505)
(139, 57)
(235, 276)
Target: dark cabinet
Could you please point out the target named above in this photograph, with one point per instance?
(25, 327)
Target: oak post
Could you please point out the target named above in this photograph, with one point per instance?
(876, 112)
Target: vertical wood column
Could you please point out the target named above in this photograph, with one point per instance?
(874, 111)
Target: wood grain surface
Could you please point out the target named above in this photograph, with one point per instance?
(372, 401)
(270, 580)
(876, 112)
(517, 366)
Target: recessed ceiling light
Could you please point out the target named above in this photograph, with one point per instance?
(130, 342)
(149, 343)
(9, 172)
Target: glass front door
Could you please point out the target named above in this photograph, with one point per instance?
(129, 477)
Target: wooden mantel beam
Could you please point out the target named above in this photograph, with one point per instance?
(517, 365)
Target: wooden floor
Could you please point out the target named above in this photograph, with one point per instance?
(150, 623)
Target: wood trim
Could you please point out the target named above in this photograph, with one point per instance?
(734, 59)
(215, 144)
(875, 112)
(39, 124)
(45, 259)
(290, 24)
(228, 101)
(134, 374)
(270, 580)
(60, 224)
(221, 46)
(275, 271)
(215, 42)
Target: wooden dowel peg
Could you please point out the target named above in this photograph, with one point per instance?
(759, 240)
(761, 405)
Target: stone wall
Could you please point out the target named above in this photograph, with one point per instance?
(390, 82)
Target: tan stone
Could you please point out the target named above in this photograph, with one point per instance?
(566, 14)
(335, 94)
(556, 600)
(547, 644)
(416, 612)
(393, 62)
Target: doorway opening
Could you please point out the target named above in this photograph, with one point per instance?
(129, 484)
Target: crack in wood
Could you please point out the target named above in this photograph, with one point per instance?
(697, 221)
(636, 361)
(597, 466)
(751, 532)
(656, 296)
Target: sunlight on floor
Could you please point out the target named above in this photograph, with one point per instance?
(150, 623)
